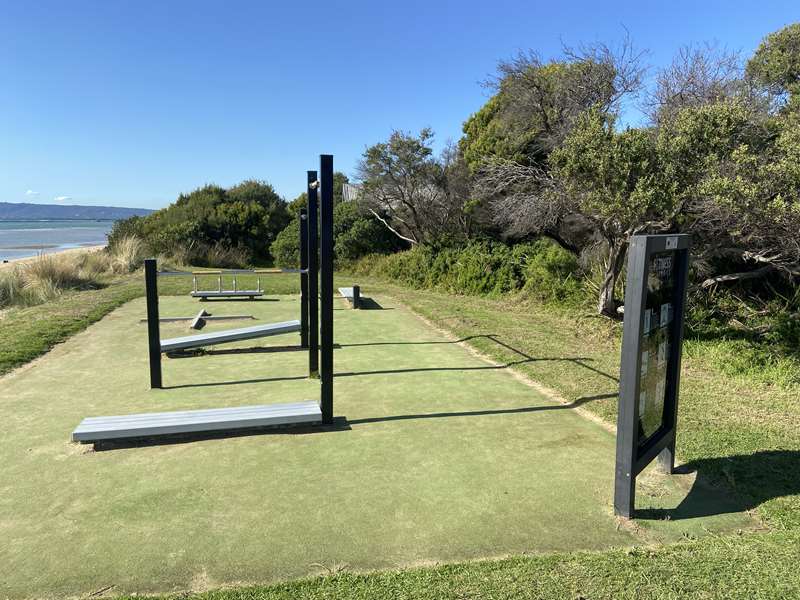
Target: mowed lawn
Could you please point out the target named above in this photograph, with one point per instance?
(438, 456)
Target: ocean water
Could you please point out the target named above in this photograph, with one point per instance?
(20, 239)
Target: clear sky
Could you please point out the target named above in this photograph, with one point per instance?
(131, 103)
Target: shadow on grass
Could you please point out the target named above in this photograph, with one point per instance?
(339, 424)
(524, 359)
(238, 382)
(473, 413)
(367, 303)
(733, 484)
(250, 350)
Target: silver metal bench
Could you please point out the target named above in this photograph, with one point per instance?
(203, 294)
(352, 295)
(146, 425)
(229, 335)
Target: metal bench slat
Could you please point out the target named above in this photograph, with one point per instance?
(196, 421)
(226, 293)
(229, 335)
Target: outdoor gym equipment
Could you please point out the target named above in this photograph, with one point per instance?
(319, 343)
(235, 292)
(352, 295)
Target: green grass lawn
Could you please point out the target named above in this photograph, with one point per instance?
(27, 333)
(446, 458)
(440, 457)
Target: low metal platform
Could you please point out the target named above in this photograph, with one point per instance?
(352, 295)
(227, 294)
(147, 425)
(229, 335)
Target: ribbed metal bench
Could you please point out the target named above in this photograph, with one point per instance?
(229, 335)
(147, 425)
(352, 295)
(203, 294)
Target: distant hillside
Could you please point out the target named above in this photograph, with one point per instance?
(33, 212)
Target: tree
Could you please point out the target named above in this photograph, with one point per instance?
(355, 235)
(403, 185)
(698, 75)
(615, 180)
(776, 64)
(536, 102)
(245, 218)
(740, 189)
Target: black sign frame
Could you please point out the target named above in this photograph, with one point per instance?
(635, 451)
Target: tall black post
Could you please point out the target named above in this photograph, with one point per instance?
(153, 334)
(326, 287)
(303, 279)
(313, 276)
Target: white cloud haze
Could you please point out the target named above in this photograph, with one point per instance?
(62, 198)
(31, 193)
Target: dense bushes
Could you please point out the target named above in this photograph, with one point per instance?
(542, 269)
(355, 235)
(213, 226)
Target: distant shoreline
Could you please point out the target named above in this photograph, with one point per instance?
(2, 220)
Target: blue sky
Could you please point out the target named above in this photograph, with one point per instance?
(131, 103)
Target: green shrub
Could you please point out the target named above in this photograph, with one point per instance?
(552, 274)
(213, 225)
(542, 268)
(285, 249)
(355, 235)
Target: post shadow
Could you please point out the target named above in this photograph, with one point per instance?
(731, 484)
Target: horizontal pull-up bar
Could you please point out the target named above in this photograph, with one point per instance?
(229, 272)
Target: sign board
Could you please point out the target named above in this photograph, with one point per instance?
(655, 301)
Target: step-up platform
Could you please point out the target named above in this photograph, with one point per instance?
(206, 294)
(229, 335)
(149, 425)
(352, 295)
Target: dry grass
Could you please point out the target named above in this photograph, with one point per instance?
(48, 276)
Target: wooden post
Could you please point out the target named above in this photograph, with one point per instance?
(153, 333)
(326, 287)
(313, 276)
(303, 279)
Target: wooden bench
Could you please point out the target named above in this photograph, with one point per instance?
(228, 336)
(352, 295)
(147, 425)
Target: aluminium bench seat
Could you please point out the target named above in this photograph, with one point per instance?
(146, 425)
(352, 295)
(227, 294)
(228, 336)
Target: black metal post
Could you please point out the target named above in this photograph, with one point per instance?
(356, 297)
(153, 334)
(326, 287)
(303, 279)
(313, 275)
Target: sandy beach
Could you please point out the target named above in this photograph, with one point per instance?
(18, 261)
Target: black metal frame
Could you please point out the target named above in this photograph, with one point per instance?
(326, 287)
(316, 317)
(153, 332)
(631, 457)
(303, 279)
(312, 235)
